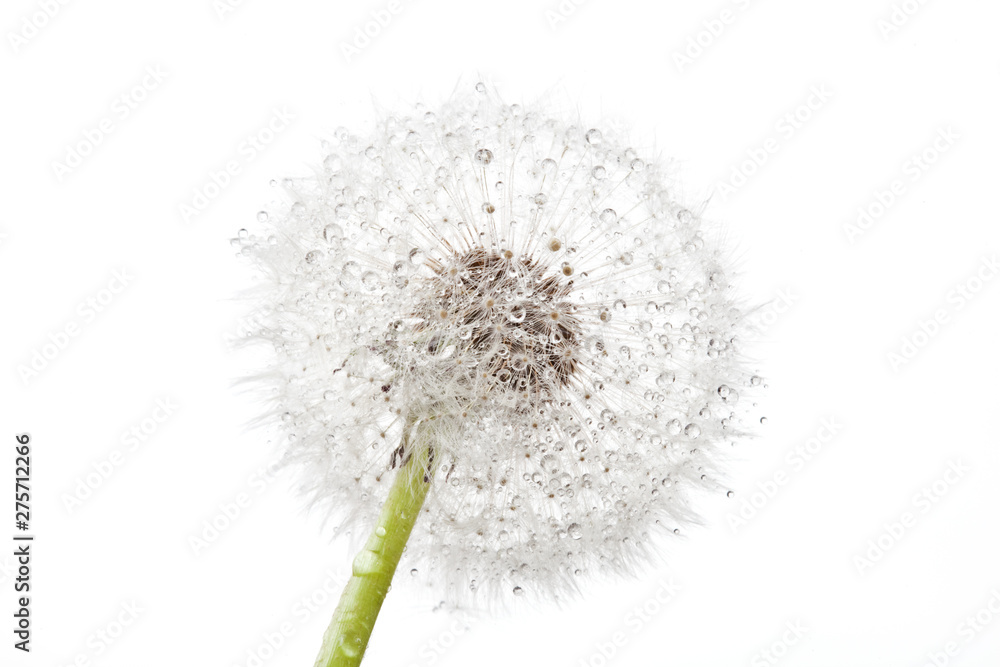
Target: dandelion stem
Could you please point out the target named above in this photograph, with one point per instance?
(347, 637)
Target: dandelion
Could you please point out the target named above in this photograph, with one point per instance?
(501, 341)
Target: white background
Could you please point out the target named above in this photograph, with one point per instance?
(837, 304)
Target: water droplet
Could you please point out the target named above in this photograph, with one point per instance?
(692, 431)
(333, 233)
(262, 216)
(484, 156)
(555, 244)
(599, 173)
(380, 531)
(413, 572)
(350, 645)
(370, 280)
(518, 591)
(488, 208)
(763, 420)
(417, 256)
(729, 494)
(480, 87)
(349, 272)
(594, 137)
(517, 313)
(664, 380)
(574, 531)
(342, 211)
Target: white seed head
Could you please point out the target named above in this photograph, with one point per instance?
(531, 292)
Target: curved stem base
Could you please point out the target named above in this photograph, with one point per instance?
(347, 636)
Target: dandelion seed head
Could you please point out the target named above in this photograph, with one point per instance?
(531, 291)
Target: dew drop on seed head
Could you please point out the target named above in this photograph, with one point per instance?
(692, 431)
(665, 379)
(333, 233)
(518, 590)
(609, 216)
(599, 173)
(484, 156)
(517, 314)
(594, 137)
(574, 531)
(262, 216)
(342, 211)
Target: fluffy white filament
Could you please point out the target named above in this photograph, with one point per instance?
(532, 290)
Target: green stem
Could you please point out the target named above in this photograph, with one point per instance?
(347, 637)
